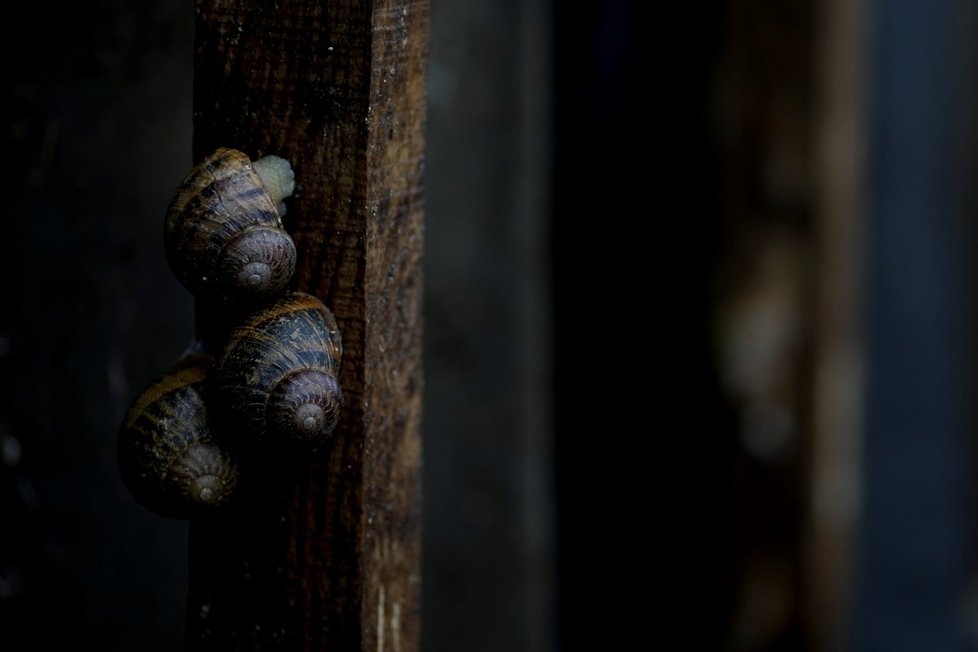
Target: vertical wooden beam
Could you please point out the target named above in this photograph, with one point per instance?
(841, 177)
(324, 554)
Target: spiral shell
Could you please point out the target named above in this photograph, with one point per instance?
(223, 233)
(168, 457)
(276, 379)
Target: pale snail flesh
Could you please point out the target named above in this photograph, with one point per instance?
(168, 456)
(223, 231)
(276, 379)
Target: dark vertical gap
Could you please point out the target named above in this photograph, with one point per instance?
(643, 440)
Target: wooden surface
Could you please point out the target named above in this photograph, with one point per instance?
(833, 513)
(324, 554)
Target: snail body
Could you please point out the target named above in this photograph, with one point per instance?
(168, 456)
(276, 379)
(223, 231)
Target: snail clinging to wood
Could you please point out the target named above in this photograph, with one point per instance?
(223, 232)
(273, 387)
(275, 380)
(168, 454)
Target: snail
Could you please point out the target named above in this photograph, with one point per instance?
(168, 457)
(276, 378)
(223, 231)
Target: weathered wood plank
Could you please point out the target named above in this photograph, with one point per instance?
(842, 55)
(324, 554)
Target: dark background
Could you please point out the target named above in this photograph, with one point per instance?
(638, 269)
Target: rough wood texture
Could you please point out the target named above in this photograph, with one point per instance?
(324, 555)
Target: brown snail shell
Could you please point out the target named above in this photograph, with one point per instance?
(276, 379)
(168, 456)
(223, 231)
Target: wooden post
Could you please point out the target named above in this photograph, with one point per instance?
(841, 176)
(325, 555)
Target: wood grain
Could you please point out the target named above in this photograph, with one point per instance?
(324, 554)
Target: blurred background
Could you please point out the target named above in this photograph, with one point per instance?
(700, 328)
